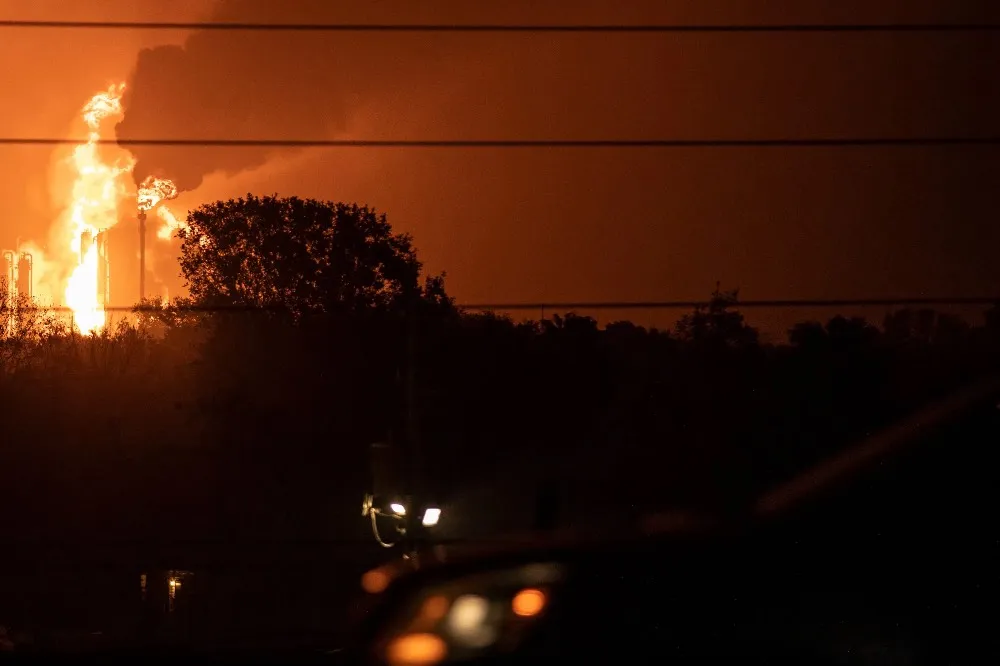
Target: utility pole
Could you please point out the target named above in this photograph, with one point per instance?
(413, 455)
(410, 509)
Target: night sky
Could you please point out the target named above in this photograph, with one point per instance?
(529, 225)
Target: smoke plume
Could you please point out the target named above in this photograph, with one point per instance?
(252, 85)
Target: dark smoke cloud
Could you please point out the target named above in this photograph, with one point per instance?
(242, 85)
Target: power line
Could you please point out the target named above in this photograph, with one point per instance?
(502, 28)
(521, 143)
(567, 306)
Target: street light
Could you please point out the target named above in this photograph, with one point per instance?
(373, 507)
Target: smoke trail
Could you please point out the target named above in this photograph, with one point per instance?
(253, 85)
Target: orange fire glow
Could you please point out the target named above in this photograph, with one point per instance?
(170, 223)
(97, 189)
(152, 193)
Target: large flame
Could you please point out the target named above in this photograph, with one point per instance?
(170, 223)
(97, 189)
(153, 191)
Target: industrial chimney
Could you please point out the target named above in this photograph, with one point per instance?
(10, 274)
(25, 275)
(103, 269)
(142, 254)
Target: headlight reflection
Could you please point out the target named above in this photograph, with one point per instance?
(471, 617)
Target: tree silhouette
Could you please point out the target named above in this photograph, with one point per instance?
(23, 326)
(950, 329)
(850, 333)
(807, 335)
(302, 255)
(717, 323)
(925, 327)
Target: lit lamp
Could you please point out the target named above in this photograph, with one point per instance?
(395, 509)
(432, 515)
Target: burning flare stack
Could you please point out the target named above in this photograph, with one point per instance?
(151, 193)
(98, 189)
(88, 240)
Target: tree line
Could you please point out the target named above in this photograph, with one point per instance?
(247, 407)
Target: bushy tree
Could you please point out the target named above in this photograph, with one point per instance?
(302, 255)
(717, 323)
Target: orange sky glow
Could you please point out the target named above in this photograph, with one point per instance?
(558, 225)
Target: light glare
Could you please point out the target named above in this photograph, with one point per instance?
(528, 603)
(416, 649)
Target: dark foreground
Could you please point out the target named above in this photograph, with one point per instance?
(76, 597)
(890, 558)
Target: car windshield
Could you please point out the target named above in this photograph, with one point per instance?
(292, 291)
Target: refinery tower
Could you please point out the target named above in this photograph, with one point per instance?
(123, 246)
(88, 240)
(18, 266)
(18, 269)
(18, 279)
